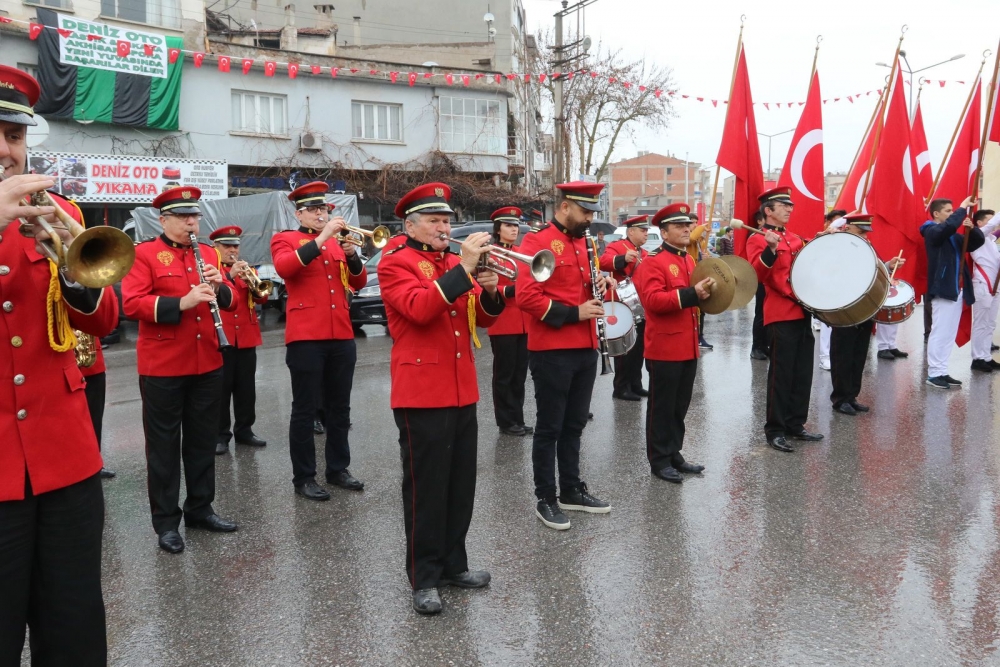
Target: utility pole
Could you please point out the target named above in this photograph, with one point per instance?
(559, 122)
(686, 186)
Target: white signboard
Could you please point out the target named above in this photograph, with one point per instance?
(109, 179)
(101, 46)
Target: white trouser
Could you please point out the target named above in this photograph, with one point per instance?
(946, 315)
(984, 320)
(824, 342)
(885, 336)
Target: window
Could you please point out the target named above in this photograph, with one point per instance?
(30, 70)
(376, 122)
(57, 4)
(670, 186)
(165, 13)
(472, 126)
(259, 113)
(670, 170)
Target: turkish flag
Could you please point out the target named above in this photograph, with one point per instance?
(34, 30)
(269, 67)
(412, 77)
(993, 133)
(449, 79)
(850, 193)
(803, 170)
(199, 58)
(316, 69)
(393, 76)
(956, 179)
(173, 55)
(293, 70)
(922, 156)
(63, 32)
(223, 63)
(247, 64)
(148, 49)
(740, 153)
(123, 48)
(465, 79)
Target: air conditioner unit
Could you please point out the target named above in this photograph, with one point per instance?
(310, 142)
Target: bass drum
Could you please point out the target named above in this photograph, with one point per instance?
(840, 279)
(628, 295)
(619, 325)
(898, 305)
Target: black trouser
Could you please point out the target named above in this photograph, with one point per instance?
(172, 407)
(438, 449)
(322, 376)
(50, 566)
(789, 376)
(510, 369)
(628, 367)
(96, 390)
(564, 383)
(701, 324)
(848, 355)
(239, 371)
(671, 384)
(760, 338)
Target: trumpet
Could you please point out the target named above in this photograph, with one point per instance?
(261, 288)
(97, 257)
(379, 236)
(542, 263)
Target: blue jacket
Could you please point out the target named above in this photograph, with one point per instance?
(944, 246)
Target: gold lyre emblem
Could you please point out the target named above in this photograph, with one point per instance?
(675, 270)
(304, 241)
(165, 257)
(684, 209)
(186, 194)
(439, 192)
(426, 268)
(557, 246)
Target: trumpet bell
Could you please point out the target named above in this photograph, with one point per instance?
(542, 265)
(265, 288)
(380, 236)
(100, 256)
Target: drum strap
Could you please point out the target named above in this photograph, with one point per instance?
(986, 279)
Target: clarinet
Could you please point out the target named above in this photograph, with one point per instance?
(213, 305)
(602, 332)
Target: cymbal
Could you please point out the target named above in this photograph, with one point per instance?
(725, 284)
(746, 280)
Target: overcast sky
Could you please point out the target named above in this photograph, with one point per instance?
(698, 41)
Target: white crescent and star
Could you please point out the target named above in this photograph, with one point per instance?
(809, 141)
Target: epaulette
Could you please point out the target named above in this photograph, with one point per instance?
(147, 240)
(535, 230)
(653, 253)
(396, 249)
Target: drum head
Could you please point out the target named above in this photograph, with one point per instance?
(618, 319)
(899, 295)
(833, 271)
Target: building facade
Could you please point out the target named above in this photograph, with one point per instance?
(651, 176)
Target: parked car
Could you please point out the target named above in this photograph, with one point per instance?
(653, 241)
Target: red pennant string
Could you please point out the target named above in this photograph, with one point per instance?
(449, 79)
(333, 72)
(393, 76)
(373, 72)
(766, 106)
(5, 19)
(198, 59)
(247, 64)
(34, 30)
(123, 48)
(496, 78)
(269, 67)
(354, 71)
(63, 32)
(541, 78)
(94, 38)
(657, 93)
(148, 49)
(715, 103)
(412, 76)
(223, 63)
(465, 79)
(428, 75)
(478, 77)
(316, 69)
(293, 70)
(173, 55)
(511, 77)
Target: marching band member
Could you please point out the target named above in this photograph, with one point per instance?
(562, 338)
(319, 339)
(239, 363)
(51, 502)
(621, 259)
(672, 349)
(945, 294)
(508, 338)
(986, 263)
(433, 306)
(180, 366)
(790, 337)
(759, 347)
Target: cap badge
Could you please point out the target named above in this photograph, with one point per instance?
(166, 258)
(684, 209)
(186, 195)
(557, 246)
(232, 230)
(439, 192)
(5, 84)
(674, 270)
(426, 268)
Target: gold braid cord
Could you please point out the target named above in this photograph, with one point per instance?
(61, 336)
(343, 275)
(471, 309)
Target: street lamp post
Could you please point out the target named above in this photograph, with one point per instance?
(909, 70)
(559, 48)
(769, 137)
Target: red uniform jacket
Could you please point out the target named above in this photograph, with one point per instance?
(774, 270)
(43, 411)
(172, 342)
(663, 282)
(426, 296)
(613, 260)
(317, 307)
(551, 308)
(241, 324)
(99, 366)
(511, 320)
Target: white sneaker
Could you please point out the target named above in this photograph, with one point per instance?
(824, 365)
(816, 324)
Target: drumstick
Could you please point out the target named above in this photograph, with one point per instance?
(738, 224)
(895, 268)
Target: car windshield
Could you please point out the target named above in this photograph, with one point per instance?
(371, 266)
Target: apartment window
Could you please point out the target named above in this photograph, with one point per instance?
(55, 4)
(472, 126)
(165, 13)
(31, 70)
(376, 122)
(259, 113)
(670, 186)
(670, 170)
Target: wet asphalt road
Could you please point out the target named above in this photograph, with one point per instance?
(877, 546)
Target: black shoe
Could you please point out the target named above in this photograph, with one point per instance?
(427, 601)
(516, 430)
(549, 513)
(252, 441)
(952, 381)
(778, 442)
(845, 409)
(312, 491)
(642, 393)
(982, 365)
(690, 468)
(704, 344)
(467, 579)
(938, 381)
(626, 395)
(107, 474)
(758, 355)
(171, 542)
(669, 474)
(579, 500)
(807, 436)
(590, 416)
(221, 448)
(345, 480)
(860, 407)
(886, 354)
(318, 427)
(993, 364)
(528, 430)
(212, 522)
(899, 353)
(994, 347)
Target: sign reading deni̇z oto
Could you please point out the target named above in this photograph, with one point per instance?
(89, 44)
(109, 179)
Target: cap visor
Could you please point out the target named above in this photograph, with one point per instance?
(16, 117)
(182, 210)
(443, 208)
(596, 208)
(227, 242)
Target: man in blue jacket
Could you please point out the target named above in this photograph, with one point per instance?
(945, 294)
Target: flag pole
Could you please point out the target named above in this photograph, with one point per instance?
(819, 38)
(881, 114)
(958, 126)
(732, 84)
(986, 126)
(864, 137)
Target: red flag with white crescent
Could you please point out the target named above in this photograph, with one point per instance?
(850, 193)
(956, 179)
(922, 156)
(803, 170)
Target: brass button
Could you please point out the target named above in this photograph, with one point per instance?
(326, 261)
(333, 305)
(22, 414)
(7, 306)
(16, 341)
(322, 247)
(418, 361)
(457, 334)
(198, 336)
(198, 319)
(458, 356)
(236, 315)
(329, 277)
(18, 379)
(4, 270)
(237, 326)
(331, 291)
(189, 269)
(454, 314)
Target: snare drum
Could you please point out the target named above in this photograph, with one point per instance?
(619, 325)
(840, 278)
(628, 295)
(898, 305)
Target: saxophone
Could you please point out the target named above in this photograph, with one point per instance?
(86, 349)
